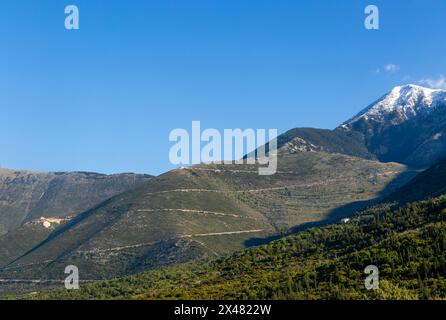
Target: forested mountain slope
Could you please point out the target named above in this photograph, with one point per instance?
(408, 246)
(204, 211)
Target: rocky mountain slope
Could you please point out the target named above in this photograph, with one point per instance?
(22, 239)
(323, 140)
(206, 210)
(407, 125)
(26, 195)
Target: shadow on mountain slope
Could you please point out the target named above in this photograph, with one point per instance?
(343, 211)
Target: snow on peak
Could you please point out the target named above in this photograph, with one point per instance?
(405, 101)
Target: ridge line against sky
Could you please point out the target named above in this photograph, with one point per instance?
(104, 98)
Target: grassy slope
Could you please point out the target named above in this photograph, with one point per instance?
(408, 245)
(181, 215)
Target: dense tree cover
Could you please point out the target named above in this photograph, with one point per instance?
(408, 245)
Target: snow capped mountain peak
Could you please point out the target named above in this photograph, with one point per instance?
(400, 104)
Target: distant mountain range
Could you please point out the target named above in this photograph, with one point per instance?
(209, 210)
(33, 204)
(26, 195)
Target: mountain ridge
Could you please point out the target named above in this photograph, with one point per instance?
(206, 210)
(407, 125)
(209, 209)
(26, 195)
(409, 100)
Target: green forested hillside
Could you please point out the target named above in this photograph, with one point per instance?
(429, 183)
(206, 211)
(408, 245)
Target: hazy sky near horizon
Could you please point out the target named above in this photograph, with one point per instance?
(105, 98)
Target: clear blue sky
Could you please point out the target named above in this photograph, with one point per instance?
(105, 98)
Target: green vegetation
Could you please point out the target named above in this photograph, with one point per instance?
(27, 195)
(19, 241)
(206, 211)
(429, 183)
(332, 141)
(407, 244)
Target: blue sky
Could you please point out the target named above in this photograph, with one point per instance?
(105, 98)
